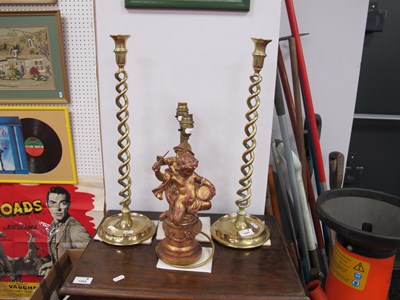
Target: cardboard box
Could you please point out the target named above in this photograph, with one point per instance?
(50, 285)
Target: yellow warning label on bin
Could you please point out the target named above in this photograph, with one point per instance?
(349, 270)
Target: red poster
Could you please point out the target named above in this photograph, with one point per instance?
(37, 224)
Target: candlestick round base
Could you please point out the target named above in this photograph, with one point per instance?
(126, 229)
(241, 231)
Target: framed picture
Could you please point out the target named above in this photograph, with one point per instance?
(238, 5)
(32, 66)
(28, 1)
(36, 145)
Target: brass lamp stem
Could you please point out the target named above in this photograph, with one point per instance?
(186, 124)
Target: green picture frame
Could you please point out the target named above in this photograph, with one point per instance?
(235, 5)
(32, 64)
(4, 2)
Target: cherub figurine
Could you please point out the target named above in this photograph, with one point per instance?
(186, 191)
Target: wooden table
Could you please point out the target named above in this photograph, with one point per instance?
(262, 273)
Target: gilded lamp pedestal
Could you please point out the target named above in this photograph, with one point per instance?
(180, 247)
(126, 228)
(240, 230)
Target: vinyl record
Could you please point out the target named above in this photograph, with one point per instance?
(42, 145)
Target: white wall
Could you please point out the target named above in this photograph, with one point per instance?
(200, 57)
(204, 58)
(332, 52)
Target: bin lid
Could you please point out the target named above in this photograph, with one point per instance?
(365, 217)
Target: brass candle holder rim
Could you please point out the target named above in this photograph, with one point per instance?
(120, 35)
(261, 39)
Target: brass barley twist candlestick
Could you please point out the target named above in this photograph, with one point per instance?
(126, 228)
(240, 230)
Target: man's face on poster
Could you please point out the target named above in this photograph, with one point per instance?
(58, 206)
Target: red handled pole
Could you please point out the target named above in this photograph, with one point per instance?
(310, 114)
(307, 98)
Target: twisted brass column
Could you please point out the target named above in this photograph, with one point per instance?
(240, 230)
(126, 228)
